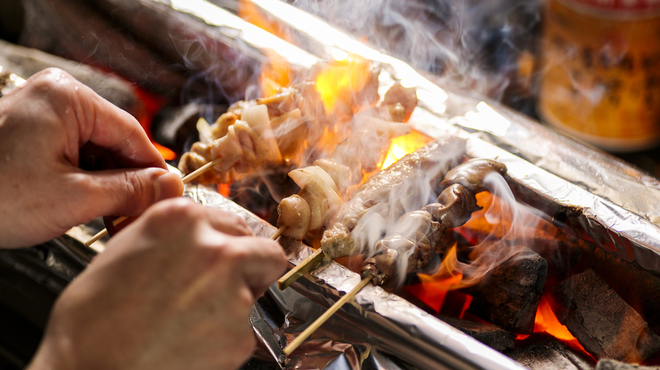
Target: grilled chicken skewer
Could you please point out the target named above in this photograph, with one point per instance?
(417, 233)
(454, 207)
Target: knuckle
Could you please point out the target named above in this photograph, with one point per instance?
(52, 80)
(139, 193)
(234, 253)
(170, 211)
(238, 221)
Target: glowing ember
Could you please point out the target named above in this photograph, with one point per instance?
(338, 82)
(434, 288)
(403, 145)
(224, 190)
(546, 321)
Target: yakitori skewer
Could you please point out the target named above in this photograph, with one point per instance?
(186, 179)
(301, 269)
(326, 315)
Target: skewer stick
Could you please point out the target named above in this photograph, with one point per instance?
(186, 179)
(103, 232)
(193, 175)
(326, 315)
(301, 269)
(277, 233)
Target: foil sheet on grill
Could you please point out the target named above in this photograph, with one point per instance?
(601, 198)
(378, 328)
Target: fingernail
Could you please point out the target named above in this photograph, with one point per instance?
(168, 185)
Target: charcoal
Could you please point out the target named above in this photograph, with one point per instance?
(609, 364)
(491, 335)
(640, 289)
(541, 351)
(605, 325)
(509, 294)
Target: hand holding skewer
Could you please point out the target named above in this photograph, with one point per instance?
(186, 179)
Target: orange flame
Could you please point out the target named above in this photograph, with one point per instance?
(167, 154)
(276, 72)
(337, 83)
(434, 288)
(546, 322)
(405, 144)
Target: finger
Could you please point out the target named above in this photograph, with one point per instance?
(99, 121)
(120, 133)
(227, 222)
(263, 264)
(125, 192)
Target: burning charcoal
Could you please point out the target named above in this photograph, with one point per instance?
(637, 287)
(609, 364)
(541, 351)
(509, 295)
(488, 334)
(601, 320)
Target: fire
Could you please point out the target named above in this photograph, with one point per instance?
(276, 72)
(340, 80)
(167, 154)
(546, 322)
(403, 145)
(434, 288)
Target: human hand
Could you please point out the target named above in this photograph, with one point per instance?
(173, 290)
(51, 127)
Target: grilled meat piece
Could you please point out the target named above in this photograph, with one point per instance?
(454, 207)
(382, 266)
(294, 212)
(434, 159)
(472, 174)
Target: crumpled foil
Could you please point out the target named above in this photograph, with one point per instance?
(600, 198)
(378, 330)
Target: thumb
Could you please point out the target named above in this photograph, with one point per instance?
(128, 192)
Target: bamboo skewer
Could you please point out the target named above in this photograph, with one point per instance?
(196, 173)
(277, 233)
(326, 315)
(186, 179)
(104, 232)
(301, 269)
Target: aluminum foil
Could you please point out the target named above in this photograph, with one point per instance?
(377, 328)
(601, 198)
